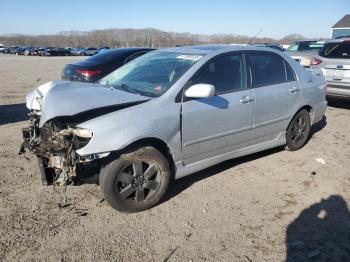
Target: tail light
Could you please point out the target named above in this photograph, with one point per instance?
(309, 61)
(88, 72)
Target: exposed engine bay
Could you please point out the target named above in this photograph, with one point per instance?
(53, 134)
(55, 145)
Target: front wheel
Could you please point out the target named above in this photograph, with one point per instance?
(298, 131)
(136, 181)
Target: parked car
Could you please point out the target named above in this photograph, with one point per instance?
(103, 49)
(30, 51)
(56, 52)
(20, 50)
(98, 66)
(2, 48)
(300, 49)
(168, 114)
(334, 62)
(88, 51)
(77, 50)
(10, 50)
(271, 45)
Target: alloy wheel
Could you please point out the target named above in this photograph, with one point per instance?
(138, 181)
(299, 131)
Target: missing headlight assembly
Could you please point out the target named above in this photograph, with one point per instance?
(55, 145)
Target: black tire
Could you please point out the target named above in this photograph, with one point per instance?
(136, 181)
(298, 131)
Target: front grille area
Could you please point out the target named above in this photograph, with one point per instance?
(45, 132)
(80, 142)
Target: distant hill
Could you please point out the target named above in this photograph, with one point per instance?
(148, 37)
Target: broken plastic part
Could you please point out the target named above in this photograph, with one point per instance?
(62, 179)
(81, 132)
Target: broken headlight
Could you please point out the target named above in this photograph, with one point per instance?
(80, 132)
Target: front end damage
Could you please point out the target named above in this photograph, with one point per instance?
(55, 145)
(57, 108)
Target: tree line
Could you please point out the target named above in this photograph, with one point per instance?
(132, 37)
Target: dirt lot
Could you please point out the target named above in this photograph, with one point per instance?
(272, 206)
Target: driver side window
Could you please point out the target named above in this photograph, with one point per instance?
(226, 73)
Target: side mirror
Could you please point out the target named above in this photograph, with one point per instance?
(200, 91)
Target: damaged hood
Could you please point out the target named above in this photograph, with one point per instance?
(64, 98)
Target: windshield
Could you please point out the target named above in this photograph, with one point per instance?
(336, 50)
(151, 74)
(306, 46)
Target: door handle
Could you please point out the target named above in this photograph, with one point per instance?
(294, 90)
(246, 100)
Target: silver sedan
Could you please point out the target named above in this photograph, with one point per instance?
(168, 114)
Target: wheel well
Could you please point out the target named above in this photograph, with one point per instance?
(158, 144)
(308, 108)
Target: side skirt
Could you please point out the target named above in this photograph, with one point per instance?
(185, 170)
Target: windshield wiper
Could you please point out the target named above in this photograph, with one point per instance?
(134, 91)
(129, 89)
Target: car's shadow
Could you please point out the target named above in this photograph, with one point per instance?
(338, 103)
(318, 126)
(183, 183)
(13, 113)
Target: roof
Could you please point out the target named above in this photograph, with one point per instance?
(202, 49)
(309, 40)
(339, 40)
(344, 22)
(195, 49)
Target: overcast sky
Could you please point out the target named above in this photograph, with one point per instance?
(311, 18)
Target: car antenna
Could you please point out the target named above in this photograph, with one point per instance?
(253, 38)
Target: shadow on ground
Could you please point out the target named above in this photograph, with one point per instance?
(182, 184)
(13, 113)
(320, 233)
(339, 103)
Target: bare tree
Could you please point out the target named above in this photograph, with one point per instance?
(131, 37)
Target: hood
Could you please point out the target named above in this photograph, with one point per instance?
(64, 98)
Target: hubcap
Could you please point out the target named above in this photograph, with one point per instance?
(299, 131)
(138, 181)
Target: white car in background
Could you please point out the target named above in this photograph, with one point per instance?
(305, 48)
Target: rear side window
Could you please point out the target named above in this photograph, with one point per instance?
(226, 73)
(267, 69)
(105, 57)
(336, 50)
(289, 72)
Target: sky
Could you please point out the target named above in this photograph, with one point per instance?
(310, 18)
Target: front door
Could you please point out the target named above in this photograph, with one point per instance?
(222, 123)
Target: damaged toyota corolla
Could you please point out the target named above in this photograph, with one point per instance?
(168, 114)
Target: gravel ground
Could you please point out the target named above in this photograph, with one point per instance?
(272, 206)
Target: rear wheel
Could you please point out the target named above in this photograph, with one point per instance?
(298, 131)
(136, 181)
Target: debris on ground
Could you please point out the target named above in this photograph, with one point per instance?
(321, 161)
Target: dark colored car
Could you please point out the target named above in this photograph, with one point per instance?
(20, 50)
(306, 46)
(271, 45)
(57, 52)
(100, 65)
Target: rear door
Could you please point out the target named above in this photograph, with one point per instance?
(276, 93)
(222, 123)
